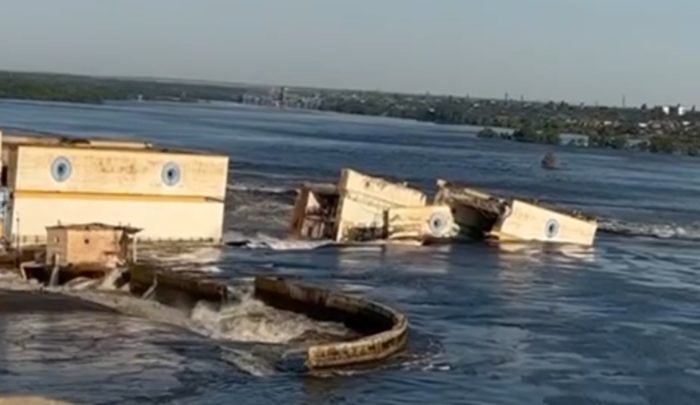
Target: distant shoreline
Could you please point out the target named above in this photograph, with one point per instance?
(657, 130)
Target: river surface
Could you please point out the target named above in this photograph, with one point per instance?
(615, 324)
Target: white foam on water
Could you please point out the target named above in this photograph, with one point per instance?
(263, 241)
(259, 189)
(84, 283)
(250, 320)
(110, 280)
(689, 231)
(272, 243)
(203, 257)
(231, 236)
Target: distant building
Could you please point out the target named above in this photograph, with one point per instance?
(678, 110)
(637, 142)
(574, 139)
(282, 95)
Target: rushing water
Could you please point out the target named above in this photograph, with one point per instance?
(615, 324)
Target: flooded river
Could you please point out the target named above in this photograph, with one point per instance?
(615, 324)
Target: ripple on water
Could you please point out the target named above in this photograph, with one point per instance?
(615, 325)
(101, 357)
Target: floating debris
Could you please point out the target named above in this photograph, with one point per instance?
(550, 161)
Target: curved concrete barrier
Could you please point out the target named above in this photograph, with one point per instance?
(175, 288)
(384, 330)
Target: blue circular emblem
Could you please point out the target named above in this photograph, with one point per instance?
(171, 174)
(552, 228)
(61, 169)
(438, 223)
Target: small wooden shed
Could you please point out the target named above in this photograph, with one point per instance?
(94, 244)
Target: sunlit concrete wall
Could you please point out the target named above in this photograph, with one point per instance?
(91, 244)
(527, 222)
(170, 195)
(120, 171)
(421, 223)
(365, 199)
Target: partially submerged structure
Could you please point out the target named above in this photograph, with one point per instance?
(91, 245)
(365, 208)
(82, 250)
(478, 214)
(172, 195)
(550, 161)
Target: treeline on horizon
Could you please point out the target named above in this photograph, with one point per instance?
(85, 89)
(535, 122)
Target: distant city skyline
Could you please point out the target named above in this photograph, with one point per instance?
(611, 52)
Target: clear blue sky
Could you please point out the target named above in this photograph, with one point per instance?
(577, 50)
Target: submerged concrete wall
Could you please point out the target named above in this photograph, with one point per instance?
(181, 290)
(385, 329)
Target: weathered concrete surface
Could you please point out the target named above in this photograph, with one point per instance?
(112, 182)
(98, 245)
(363, 208)
(109, 169)
(315, 212)
(510, 219)
(364, 201)
(385, 329)
(529, 222)
(354, 210)
(423, 224)
(179, 289)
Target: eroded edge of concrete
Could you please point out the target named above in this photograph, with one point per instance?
(385, 329)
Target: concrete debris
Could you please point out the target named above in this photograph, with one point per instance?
(364, 208)
(514, 220)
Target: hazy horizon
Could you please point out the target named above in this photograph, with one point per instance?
(582, 51)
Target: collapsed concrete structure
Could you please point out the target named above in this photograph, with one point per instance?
(478, 214)
(366, 208)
